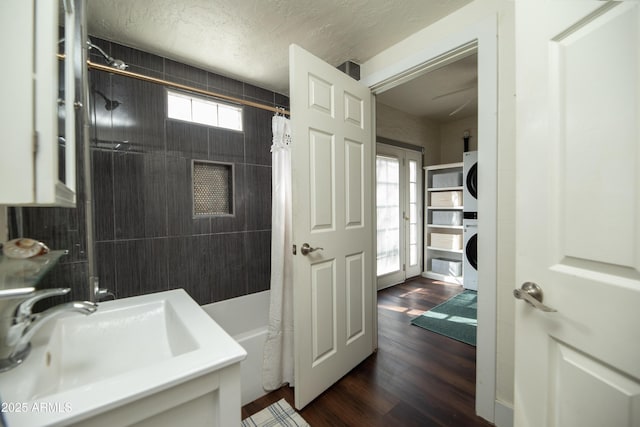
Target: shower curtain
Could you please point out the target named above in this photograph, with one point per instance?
(278, 349)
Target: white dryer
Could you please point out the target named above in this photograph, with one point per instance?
(470, 181)
(470, 249)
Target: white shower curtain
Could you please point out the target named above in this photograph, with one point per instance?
(278, 349)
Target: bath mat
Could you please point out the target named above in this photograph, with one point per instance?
(455, 318)
(276, 415)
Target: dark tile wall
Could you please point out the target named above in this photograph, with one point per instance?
(146, 237)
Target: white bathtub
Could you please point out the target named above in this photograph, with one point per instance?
(245, 319)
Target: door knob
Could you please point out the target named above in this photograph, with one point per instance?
(306, 249)
(532, 294)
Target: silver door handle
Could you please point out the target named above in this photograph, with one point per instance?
(532, 294)
(306, 249)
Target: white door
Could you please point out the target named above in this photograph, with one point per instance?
(578, 213)
(332, 159)
(398, 214)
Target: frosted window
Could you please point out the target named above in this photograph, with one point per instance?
(229, 118)
(181, 106)
(388, 214)
(204, 112)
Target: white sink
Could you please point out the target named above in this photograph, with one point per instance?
(81, 366)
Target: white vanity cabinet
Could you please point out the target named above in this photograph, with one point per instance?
(37, 156)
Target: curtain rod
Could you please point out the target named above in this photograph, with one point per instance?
(108, 69)
(133, 75)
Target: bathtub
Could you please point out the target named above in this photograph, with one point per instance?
(245, 319)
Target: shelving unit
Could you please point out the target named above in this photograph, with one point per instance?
(433, 191)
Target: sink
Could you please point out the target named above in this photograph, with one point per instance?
(82, 366)
(144, 335)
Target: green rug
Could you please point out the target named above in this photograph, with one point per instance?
(455, 318)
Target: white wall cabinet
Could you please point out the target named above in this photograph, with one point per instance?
(37, 156)
(443, 223)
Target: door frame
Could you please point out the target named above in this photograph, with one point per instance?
(482, 38)
(389, 150)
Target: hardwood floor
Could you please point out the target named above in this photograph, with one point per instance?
(416, 378)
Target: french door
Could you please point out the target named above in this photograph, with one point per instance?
(398, 214)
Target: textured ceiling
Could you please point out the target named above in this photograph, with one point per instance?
(448, 93)
(248, 39)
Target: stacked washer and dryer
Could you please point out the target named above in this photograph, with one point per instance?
(470, 220)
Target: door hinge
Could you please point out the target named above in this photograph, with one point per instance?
(404, 267)
(35, 143)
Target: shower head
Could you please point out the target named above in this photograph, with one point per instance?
(118, 64)
(109, 104)
(115, 63)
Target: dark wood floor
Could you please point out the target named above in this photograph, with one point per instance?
(416, 378)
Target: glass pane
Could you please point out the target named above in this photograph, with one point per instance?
(388, 210)
(229, 117)
(412, 192)
(205, 112)
(413, 213)
(413, 233)
(179, 107)
(413, 255)
(413, 177)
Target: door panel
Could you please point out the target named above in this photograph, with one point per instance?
(332, 158)
(321, 189)
(353, 110)
(597, 50)
(618, 396)
(356, 296)
(321, 95)
(323, 328)
(354, 191)
(578, 205)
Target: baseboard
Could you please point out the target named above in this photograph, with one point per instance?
(503, 415)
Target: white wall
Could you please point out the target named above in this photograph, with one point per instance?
(448, 27)
(404, 127)
(442, 141)
(451, 142)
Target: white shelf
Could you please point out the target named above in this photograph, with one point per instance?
(449, 227)
(443, 166)
(453, 251)
(446, 208)
(432, 252)
(445, 189)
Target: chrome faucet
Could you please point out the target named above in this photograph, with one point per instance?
(18, 324)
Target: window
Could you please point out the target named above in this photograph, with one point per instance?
(182, 106)
(388, 214)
